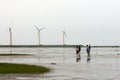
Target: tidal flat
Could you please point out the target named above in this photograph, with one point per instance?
(104, 63)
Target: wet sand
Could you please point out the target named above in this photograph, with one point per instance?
(104, 64)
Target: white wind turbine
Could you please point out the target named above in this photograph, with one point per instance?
(64, 35)
(39, 32)
(10, 32)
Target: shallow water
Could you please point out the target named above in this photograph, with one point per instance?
(104, 63)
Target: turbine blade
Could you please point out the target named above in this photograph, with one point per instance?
(36, 27)
(10, 26)
(42, 28)
(65, 34)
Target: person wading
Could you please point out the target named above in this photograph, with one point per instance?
(78, 49)
(88, 48)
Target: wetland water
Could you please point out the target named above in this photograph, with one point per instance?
(104, 63)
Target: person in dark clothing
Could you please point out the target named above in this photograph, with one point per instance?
(88, 48)
(78, 49)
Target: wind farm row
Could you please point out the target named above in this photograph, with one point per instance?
(38, 35)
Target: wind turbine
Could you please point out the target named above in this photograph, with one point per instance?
(64, 35)
(10, 32)
(10, 36)
(39, 29)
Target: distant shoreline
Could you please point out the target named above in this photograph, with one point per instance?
(50, 46)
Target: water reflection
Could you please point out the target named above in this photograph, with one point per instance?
(88, 59)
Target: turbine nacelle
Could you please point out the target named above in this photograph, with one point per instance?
(9, 29)
(38, 28)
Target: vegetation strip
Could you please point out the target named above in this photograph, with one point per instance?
(10, 68)
(14, 54)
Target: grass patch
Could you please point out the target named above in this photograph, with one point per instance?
(8, 68)
(14, 54)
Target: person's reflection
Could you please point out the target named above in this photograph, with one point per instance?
(88, 59)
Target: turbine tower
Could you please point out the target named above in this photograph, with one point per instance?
(64, 35)
(10, 31)
(10, 36)
(39, 29)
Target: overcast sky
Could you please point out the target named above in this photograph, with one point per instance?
(95, 22)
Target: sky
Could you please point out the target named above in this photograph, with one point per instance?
(94, 22)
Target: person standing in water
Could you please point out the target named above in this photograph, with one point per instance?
(78, 49)
(88, 48)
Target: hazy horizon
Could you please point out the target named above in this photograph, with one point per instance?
(94, 22)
